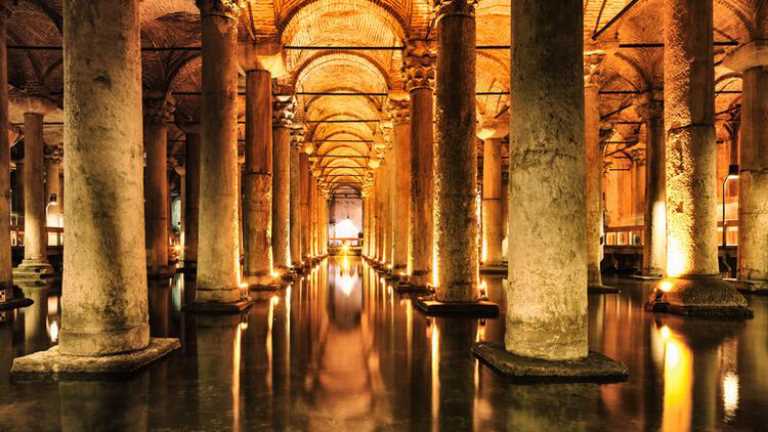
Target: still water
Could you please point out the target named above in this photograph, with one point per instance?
(339, 350)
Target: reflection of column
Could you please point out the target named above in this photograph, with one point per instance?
(401, 183)
(281, 182)
(258, 176)
(594, 166)
(547, 290)
(192, 199)
(6, 265)
(655, 236)
(419, 67)
(122, 407)
(456, 153)
(297, 139)
(218, 265)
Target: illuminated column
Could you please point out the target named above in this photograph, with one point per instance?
(456, 222)
(401, 183)
(297, 141)
(192, 198)
(420, 74)
(493, 225)
(35, 264)
(105, 314)
(218, 255)
(281, 181)
(691, 165)
(158, 111)
(258, 177)
(378, 212)
(655, 235)
(313, 215)
(306, 220)
(53, 159)
(753, 163)
(388, 185)
(547, 290)
(594, 165)
(6, 266)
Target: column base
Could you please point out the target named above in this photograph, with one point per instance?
(404, 286)
(16, 303)
(263, 282)
(494, 269)
(479, 308)
(699, 296)
(218, 308)
(594, 368)
(749, 286)
(602, 289)
(51, 364)
(420, 279)
(33, 271)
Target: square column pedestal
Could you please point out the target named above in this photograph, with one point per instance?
(702, 296)
(594, 368)
(51, 364)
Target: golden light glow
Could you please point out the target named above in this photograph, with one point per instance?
(666, 286)
(730, 394)
(677, 262)
(435, 363)
(678, 384)
(53, 331)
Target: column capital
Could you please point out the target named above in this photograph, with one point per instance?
(283, 111)
(297, 136)
(494, 128)
(32, 100)
(53, 153)
(225, 8)
(593, 62)
(159, 108)
(649, 107)
(399, 110)
(419, 65)
(454, 7)
(268, 55)
(751, 55)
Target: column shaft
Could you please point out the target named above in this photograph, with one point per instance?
(53, 192)
(218, 265)
(594, 189)
(655, 226)
(421, 221)
(35, 234)
(156, 192)
(258, 176)
(281, 197)
(192, 199)
(295, 205)
(306, 219)
(456, 222)
(493, 225)
(6, 272)
(105, 309)
(401, 197)
(547, 291)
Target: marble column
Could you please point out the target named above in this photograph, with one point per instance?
(456, 225)
(655, 217)
(493, 225)
(104, 308)
(420, 74)
(218, 256)
(313, 206)
(691, 166)
(297, 140)
(547, 290)
(192, 199)
(281, 182)
(306, 228)
(53, 159)
(387, 212)
(258, 177)
(35, 264)
(401, 183)
(157, 113)
(594, 166)
(6, 265)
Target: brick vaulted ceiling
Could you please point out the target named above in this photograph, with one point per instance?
(370, 23)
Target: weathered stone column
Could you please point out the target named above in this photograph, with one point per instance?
(691, 165)
(104, 310)
(192, 199)
(313, 203)
(158, 111)
(387, 212)
(456, 222)
(594, 166)
(53, 159)
(401, 183)
(306, 219)
(752, 61)
(420, 74)
(655, 226)
(546, 329)
(258, 177)
(35, 264)
(281, 182)
(218, 257)
(297, 141)
(492, 134)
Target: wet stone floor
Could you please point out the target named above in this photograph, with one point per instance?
(339, 350)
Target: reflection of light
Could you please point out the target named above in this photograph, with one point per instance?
(345, 249)
(678, 384)
(483, 289)
(243, 326)
(730, 394)
(347, 229)
(53, 331)
(435, 372)
(666, 286)
(275, 274)
(347, 283)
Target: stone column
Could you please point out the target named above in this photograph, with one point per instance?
(53, 159)
(456, 222)
(35, 264)
(218, 257)
(655, 217)
(281, 182)
(192, 199)
(547, 290)
(492, 134)
(313, 203)
(157, 113)
(297, 140)
(691, 165)
(420, 74)
(306, 220)
(104, 310)
(366, 223)
(753, 163)
(258, 177)
(594, 166)
(6, 266)
(387, 213)
(401, 183)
